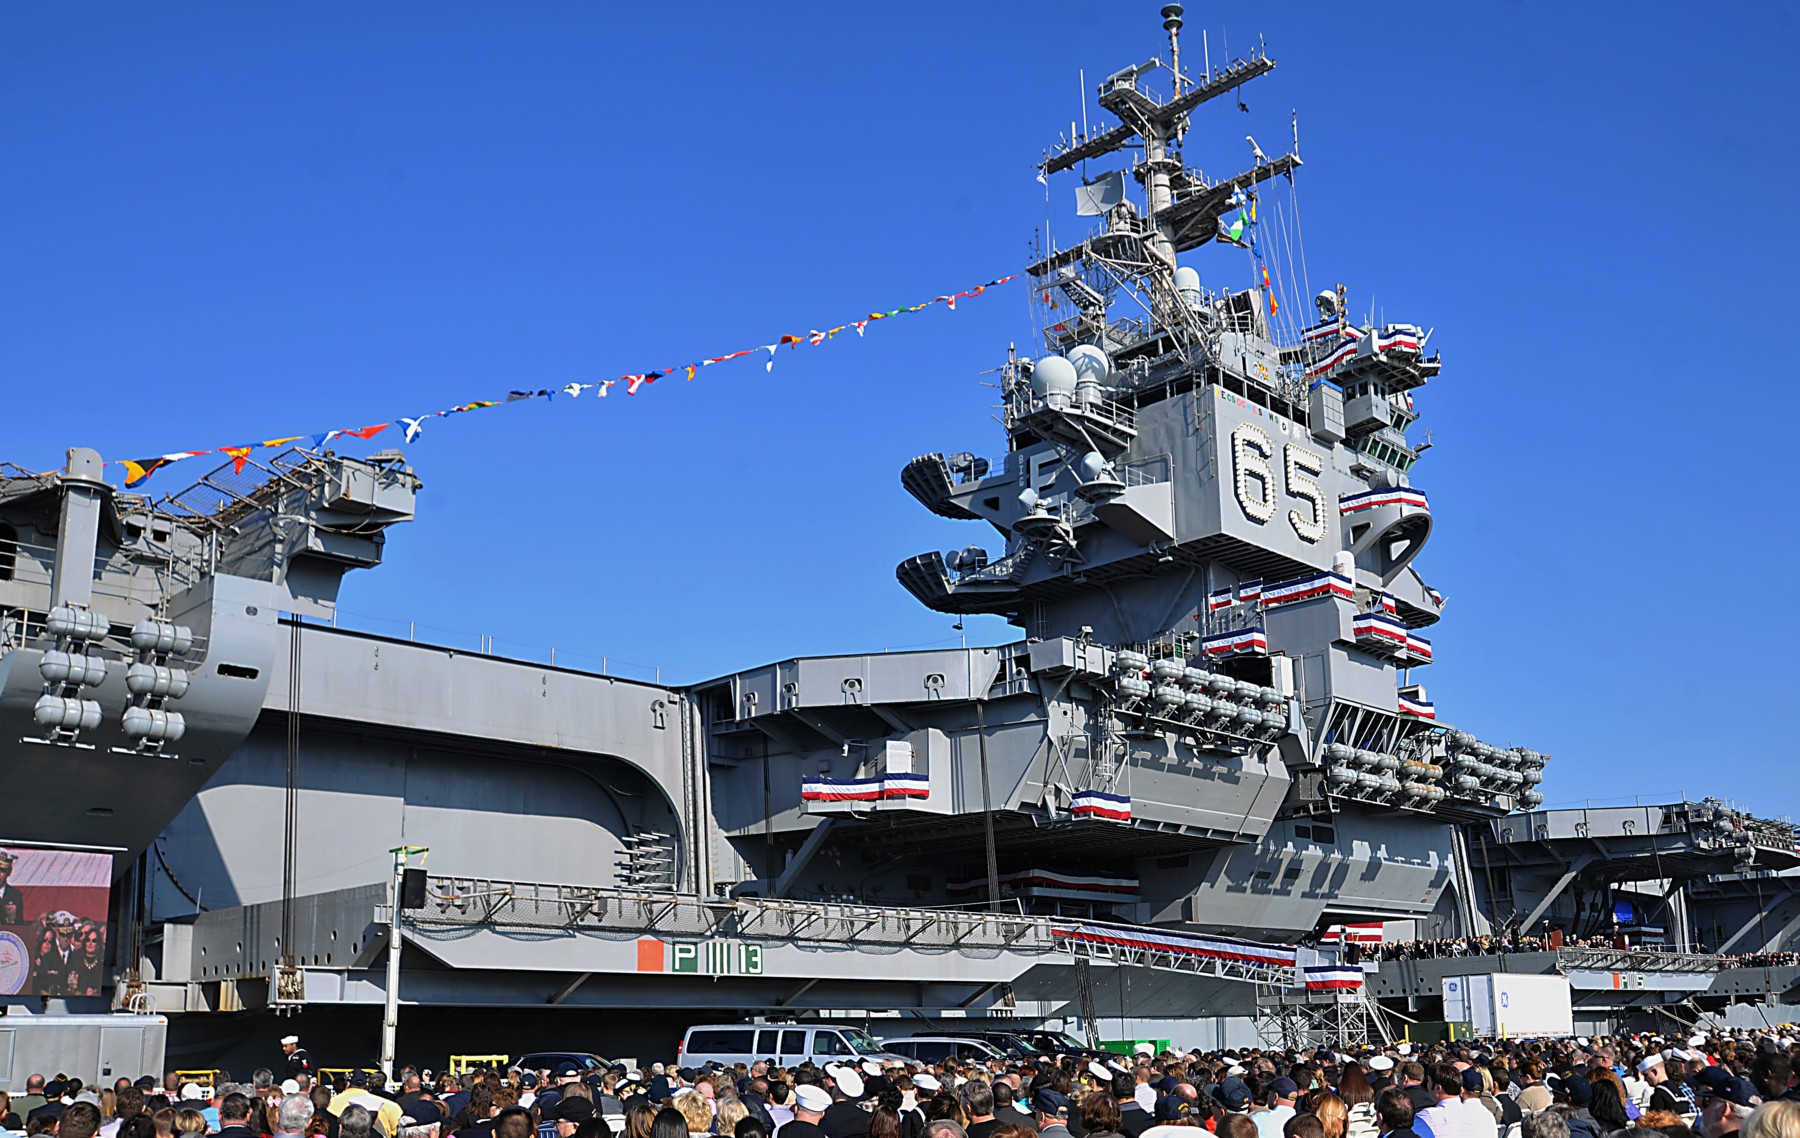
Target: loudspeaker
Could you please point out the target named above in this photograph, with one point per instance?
(412, 889)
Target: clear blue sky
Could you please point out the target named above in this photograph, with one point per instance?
(228, 221)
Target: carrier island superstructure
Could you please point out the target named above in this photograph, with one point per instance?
(1210, 742)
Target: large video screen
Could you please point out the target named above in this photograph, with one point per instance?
(53, 909)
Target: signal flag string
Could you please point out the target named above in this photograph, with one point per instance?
(137, 470)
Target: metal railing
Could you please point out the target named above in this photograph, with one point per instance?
(1644, 959)
(472, 902)
(134, 576)
(1027, 403)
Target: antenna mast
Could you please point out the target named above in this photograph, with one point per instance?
(1181, 208)
(1171, 14)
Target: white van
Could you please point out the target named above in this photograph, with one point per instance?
(788, 1044)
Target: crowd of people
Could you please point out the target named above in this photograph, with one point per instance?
(1762, 960)
(1496, 944)
(1713, 1086)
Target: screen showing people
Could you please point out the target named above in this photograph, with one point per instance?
(53, 907)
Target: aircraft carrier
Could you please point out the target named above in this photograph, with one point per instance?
(1209, 744)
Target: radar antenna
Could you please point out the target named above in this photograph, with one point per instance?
(1181, 206)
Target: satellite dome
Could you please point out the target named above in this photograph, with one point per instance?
(1053, 375)
(1187, 285)
(1091, 364)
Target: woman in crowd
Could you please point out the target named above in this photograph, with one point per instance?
(670, 1123)
(1359, 1103)
(696, 1111)
(731, 1111)
(1099, 1115)
(1778, 1119)
(639, 1114)
(1333, 1115)
(1608, 1105)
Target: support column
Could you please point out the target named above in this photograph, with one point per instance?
(78, 529)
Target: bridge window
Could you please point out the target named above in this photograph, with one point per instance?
(9, 551)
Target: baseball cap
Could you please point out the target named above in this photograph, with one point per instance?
(1740, 1092)
(424, 1112)
(1171, 1107)
(1285, 1087)
(1471, 1080)
(1712, 1080)
(567, 1070)
(812, 1099)
(528, 1080)
(1579, 1090)
(1233, 1095)
(1047, 1101)
(574, 1109)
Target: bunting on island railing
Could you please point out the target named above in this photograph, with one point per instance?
(138, 470)
(1417, 708)
(887, 787)
(1098, 804)
(1333, 979)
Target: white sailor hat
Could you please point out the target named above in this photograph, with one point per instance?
(290, 1087)
(1144, 1049)
(1380, 1063)
(811, 1098)
(925, 1080)
(290, 1039)
(871, 1067)
(1104, 1074)
(1654, 1059)
(848, 1080)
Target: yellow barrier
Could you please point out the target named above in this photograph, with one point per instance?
(461, 1064)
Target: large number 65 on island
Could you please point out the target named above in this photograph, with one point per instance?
(1252, 452)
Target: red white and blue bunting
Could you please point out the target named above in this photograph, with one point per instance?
(1242, 642)
(880, 789)
(1219, 599)
(1369, 500)
(1417, 708)
(1363, 932)
(1331, 979)
(1098, 804)
(1325, 584)
(1418, 649)
(1380, 631)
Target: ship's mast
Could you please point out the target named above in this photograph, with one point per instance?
(1182, 208)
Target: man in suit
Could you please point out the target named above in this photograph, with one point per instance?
(12, 902)
(234, 1117)
(1394, 1109)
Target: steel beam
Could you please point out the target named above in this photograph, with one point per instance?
(1556, 891)
(803, 856)
(568, 989)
